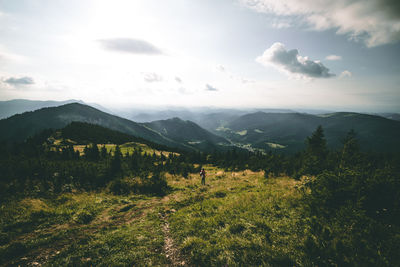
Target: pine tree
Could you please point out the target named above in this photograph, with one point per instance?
(316, 153)
(95, 153)
(103, 152)
(116, 161)
(350, 150)
(316, 144)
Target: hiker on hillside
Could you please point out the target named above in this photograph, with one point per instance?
(203, 176)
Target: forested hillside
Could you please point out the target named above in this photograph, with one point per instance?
(285, 132)
(19, 127)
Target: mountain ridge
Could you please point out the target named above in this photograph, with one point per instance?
(21, 126)
(18, 106)
(291, 129)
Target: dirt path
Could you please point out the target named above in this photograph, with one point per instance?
(171, 251)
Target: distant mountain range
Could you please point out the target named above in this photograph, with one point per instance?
(210, 129)
(208, 118)
(392, 116)
(288, 131)
(20, 127)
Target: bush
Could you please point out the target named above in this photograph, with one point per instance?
(4, 239)
(84, 217)
(121, 187)
(236, 228)
(220, 194)
(156, 185)
(12, 251)
(353, 218)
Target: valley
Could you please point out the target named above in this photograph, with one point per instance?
(262, 131)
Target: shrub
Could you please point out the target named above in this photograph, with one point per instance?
(236, 228)
(84, 217)
(220, 194)
(13, 250)
(4, 239)
(156, 185)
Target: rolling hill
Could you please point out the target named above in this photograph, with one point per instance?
(287, 132)
(187, 132)
(19, 127)
(283, 132)
(392, 116)
(18, 106)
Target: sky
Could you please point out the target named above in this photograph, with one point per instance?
(314, 54)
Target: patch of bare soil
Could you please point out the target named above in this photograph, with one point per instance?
(171, 251)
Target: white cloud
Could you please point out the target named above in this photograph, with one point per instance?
(375, 22)
(210, 88)
(291, 63)
(19, 81)
(152, 77)
(345, 74)
(333, 57)
(130, 45)
(281, 24)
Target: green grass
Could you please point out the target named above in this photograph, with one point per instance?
(82, 229)
(238, 218)
(129, 147)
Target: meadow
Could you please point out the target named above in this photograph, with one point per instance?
(236, 218)
(125, 148)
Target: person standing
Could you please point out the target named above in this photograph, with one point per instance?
(203, 176)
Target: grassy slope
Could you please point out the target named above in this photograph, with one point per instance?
(129, 147)
(82, 228)
(236, 218)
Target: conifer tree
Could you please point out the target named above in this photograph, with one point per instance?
(116, 161)
(316, 144)
(103, 152)
(95, 154)
(316, 153)
(350, 150)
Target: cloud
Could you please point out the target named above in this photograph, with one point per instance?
(345, 74)
(152, 77)
(374, 22)
(290, 62)
(333, 57)
(177, 79)
(210, 88)
(20, 81)
(281, 24)
(128, 45)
